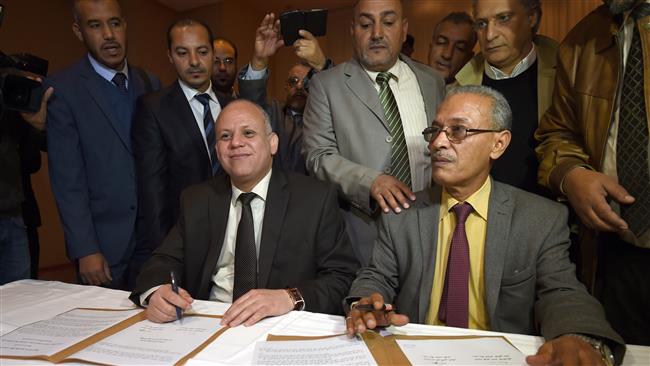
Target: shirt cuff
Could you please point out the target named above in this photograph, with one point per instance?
(143, 298)
(254, 74)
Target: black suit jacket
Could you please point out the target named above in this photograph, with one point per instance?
(170, 155)
(304, 243)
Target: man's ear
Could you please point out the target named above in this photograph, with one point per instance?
(500, 144)
(169, 56)
(534, 19)
(405, 29)
(273, 140)
(77, 31)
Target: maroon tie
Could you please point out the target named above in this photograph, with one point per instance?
(455, 295)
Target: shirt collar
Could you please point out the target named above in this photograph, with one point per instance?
(479, 200)
(106, 72)
(397, 70)
(190, 92)
(523, 65)
(261, 189)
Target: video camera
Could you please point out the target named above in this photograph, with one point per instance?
(17, 91)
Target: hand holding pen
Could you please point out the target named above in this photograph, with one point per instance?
(168, 302)
(179, 312)
(371, 312)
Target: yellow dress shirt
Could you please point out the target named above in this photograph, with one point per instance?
(476, 229)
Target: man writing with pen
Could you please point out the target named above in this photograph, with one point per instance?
(266, 240)
(475, 253)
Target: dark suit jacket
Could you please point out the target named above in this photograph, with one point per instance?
(303, 245)
(530, 283)
(91, 162)
(170, 155)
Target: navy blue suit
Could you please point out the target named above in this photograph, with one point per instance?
(91, 163)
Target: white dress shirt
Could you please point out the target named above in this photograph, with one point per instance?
(523, 65)
(414, 119)
(197, 107)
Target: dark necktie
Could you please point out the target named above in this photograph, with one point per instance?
(399, 157)
(208, 125)
(632, 139)
(455, 295)
(245, 252)
(295, 162)
(120, 80)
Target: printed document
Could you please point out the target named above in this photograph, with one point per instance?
(339, 350)
(474, 351)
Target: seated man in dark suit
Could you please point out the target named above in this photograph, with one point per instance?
(476, 253)
(267, 240)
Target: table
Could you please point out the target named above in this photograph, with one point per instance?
(27, 301)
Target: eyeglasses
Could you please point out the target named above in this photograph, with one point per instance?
(226, 61)
(455, 133)
(294, 81)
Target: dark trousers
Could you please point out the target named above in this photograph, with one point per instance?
(34, 251)
(624, 289)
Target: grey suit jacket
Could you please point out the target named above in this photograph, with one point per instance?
(346, 139)
(530, 283)
(345, 132)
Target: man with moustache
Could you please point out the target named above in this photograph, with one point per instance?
(476, 253)
(173, 130)
(89, 148)
(520, 64)
(363, 121)
(593, 151)
(452, 45)
(287, 116)
(224, 69)
(267, 240)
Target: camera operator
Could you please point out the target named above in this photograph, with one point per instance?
(18, 132)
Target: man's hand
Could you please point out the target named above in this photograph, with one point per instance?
(390, 193)
(163, 302)
(37, 119)
(566, 350)
(256, 305)
(94, 270)
(588, 192)
(267, 42)
(307, 49)
(358, 321)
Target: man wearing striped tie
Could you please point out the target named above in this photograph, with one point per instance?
(363, 120)
(173, 130)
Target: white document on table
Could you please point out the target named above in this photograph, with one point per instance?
(473, 351)
(339, 350)
(148, 343)
(64, 330)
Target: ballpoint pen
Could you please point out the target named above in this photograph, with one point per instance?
(370, 307)
(179, 312)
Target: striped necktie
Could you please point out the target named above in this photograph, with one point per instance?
(399, 157)
(208, 125)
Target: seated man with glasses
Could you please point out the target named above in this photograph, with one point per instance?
(475, 253)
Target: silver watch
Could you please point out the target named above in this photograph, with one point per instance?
(600, 346)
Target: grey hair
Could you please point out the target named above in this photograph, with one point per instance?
(530, 6)
(265, 116)
(501, 114)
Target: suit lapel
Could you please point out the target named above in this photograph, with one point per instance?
(496, 245)
(95, 85)
(428, 219)
(218, 208)
(180, 114)
(361, 86)
(277, 200)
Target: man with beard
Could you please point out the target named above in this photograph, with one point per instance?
(90, 156)
(363, 122)
(286, 117)
(224, 69)
(593, 151)
(173, 130)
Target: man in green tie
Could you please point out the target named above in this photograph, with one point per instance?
(363, 120)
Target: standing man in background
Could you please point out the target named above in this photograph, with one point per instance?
(89, 148)
(452, 45)
(173, 131)
(520, 64)
(363, 122)
(224, 69)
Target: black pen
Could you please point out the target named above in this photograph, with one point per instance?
(370, 307)
(179, 312)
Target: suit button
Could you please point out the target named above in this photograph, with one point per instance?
(387, 170)
(389, 139)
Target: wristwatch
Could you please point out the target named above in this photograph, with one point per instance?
(600, 346)
(296, 297)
